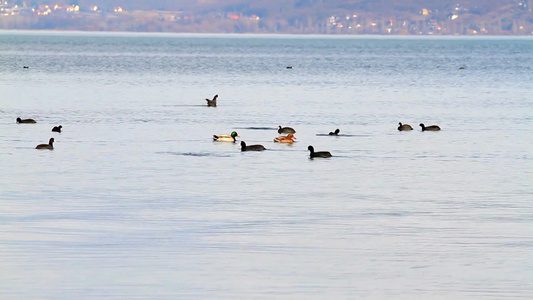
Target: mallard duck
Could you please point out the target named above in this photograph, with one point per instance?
(404, 127)
(251, 147)
(32, 121)
(285, 139)
(225, 137)
(212, 102)
(429, 128)
(49, 146)
(336, 132)
(57, 128)
(314, 154)
(285, 130)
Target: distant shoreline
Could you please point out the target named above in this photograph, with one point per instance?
(257, 35)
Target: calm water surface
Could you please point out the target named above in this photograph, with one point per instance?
(137, 202)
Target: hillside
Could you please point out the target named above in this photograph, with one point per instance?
(292, 7)
(288, 16)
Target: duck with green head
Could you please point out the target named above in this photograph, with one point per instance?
(225, 137)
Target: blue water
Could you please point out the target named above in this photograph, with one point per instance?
(137, 202)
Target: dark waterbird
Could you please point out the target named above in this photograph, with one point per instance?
(336, 132)
(27, 121)
(429, 128)
(314, 154)
(285, 130)
(57, 128)
(49, 146)
(212, 102)
(404, 127)
(251, 147)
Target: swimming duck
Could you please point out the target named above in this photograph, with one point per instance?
(57, 128)
(429, 128)
(32, 121)
(317, 154)
(336, 132)
(285, 139)
(225, 137)
(49, 146)
(404, 127)
(285, 130)
(212, 102)
(251, 147)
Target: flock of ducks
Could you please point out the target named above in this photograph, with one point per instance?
(288, 138)
(50, 145)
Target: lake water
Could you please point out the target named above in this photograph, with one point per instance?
(137, 202)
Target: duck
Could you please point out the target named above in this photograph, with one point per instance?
(225, 137)
(314, 154)
(336, 132)
(212, 102)
(28, 121)
(49, 146)
(285, 130)
(285, 139)
(404, 127)
(57, 128)
(429, 128)
(251, 147)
